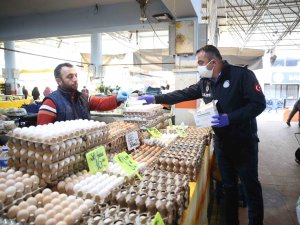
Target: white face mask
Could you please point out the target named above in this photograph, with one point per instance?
(204, 72)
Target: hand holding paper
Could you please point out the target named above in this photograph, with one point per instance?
(220, 120)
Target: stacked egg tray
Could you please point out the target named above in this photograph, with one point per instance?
(183, 157)
(97, 187)
(117, 141)
(159, 191)
(62, 155)
(146, 155)
(146, 116)
(50, 208)
(114, 214)
(16, 186)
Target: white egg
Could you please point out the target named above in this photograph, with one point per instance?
(10, 191)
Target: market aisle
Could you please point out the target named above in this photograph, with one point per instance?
(279, 173)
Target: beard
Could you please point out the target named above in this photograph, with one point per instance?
(69, 87)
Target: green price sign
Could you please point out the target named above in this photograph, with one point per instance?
(158, 220)
(97, 159)
(154, 132)
(127, 163)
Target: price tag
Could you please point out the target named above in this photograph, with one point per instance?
(132, 140)
(154, 132)
(1, 99)
(157, 220)
(127, 163)
(97, 159)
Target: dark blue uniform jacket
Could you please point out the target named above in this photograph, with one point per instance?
(239, 95)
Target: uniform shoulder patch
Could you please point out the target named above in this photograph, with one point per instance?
(257, 87)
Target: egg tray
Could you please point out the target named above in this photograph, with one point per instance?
(153, 187)
(30, 193)
(47, 172)
(55, 152)
(103, 213)
(55, 140)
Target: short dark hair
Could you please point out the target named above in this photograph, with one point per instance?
(57, 70)
(211, 50)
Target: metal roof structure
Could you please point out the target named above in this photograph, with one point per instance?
(261, 24)
(264, 24)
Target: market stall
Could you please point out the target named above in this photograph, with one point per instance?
(135, 176)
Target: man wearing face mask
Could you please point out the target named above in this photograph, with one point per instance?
(240, 100)
(67, 103)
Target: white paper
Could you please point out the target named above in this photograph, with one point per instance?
(204, 113)
(132, 140)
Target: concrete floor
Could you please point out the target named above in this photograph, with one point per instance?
(278, 171)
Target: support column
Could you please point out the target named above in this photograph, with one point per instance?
(96, 55)
(10, 68)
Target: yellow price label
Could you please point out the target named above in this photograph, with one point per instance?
(157, 220)
(97, 159)
(154, 132)
(129, 165)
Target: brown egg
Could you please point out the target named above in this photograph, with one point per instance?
(73, 206)
(2, 187)
(31, 209)
(66, 211)
(10, 171)
(51, 221)
(12, 212)
(35, 178)
(48, 207)
(22, 215)
(64, 203)
(2, 196)
(69, 220)
(3, 180)
(26, 175)
(62, 197)
(47, 200)
(3, 175)
(69, 188)
(32, 201)
(10, 177)
(10, 182)
(46, 192)
(58, 208)
(50, 213)
(18, 174)
(23, 205)
(39, 211)
(55, 201)
(59, 217)
(39, 197)
(40, 219)
(76, 214)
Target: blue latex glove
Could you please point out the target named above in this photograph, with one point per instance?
(220, 120)
(122, 96)
(148, 98)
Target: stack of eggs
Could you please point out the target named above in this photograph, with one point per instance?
(145, 155)
(144, 115)
(88, 186)
(53, 150)
(164, 141)
(14, 185)
(50, 208)
(117, 140)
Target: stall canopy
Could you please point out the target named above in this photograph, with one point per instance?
(243, 57)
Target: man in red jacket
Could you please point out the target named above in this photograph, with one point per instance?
(67, 103)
